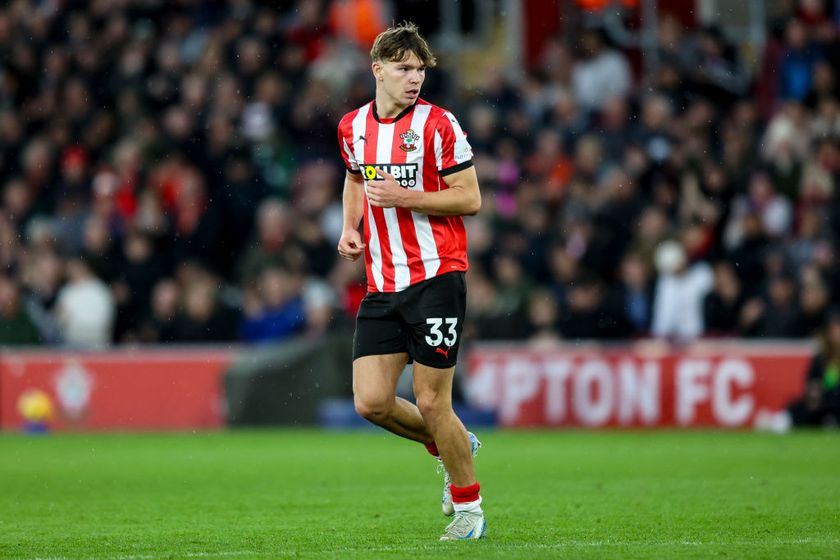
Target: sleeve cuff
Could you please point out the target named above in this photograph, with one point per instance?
(456, 168)
(354, 171)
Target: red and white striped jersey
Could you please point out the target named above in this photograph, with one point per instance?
(418, 147)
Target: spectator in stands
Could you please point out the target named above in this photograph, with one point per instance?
(17, 202)
(616, 218)
(826, 120)
(319, 309)
(820, 402)
(16, 327)
(717, 74)
(775, 314)
(676, 48)
(653, 229)
(601, 73)
(773, 210)
(680, 291)
(99, 251)
(811, 230)
(10, 246)
(140, 268)
(632, 298)
(37, 161)
(722, 306)
(823, 85)
(197, 224)
(489, 317)
(654, 133)
(798, 60)
(41, 275)
(203, 317)
(159, 324)
(543, 316)
(585, 313)
(512, 287)
(785, 147)
(313, 194)
(71, 195)
(276, 311)
(748, 254)
(274, 244)
(814, 300)
(84, 308)
(240, 190)
(348, 281)
(614, 129)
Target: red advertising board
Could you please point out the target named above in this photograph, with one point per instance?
(710, 384)
(131, 390)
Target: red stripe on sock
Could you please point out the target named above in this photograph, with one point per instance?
(464, 494)
(432, 449)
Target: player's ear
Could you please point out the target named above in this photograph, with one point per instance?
(376, 67)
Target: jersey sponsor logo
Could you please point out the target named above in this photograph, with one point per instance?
(404, 173)
(409, 138)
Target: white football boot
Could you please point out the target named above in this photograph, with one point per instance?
(446, 502)
(466, 526)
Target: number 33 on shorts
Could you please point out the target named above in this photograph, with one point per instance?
(436, 336)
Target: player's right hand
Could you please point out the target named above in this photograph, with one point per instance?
(350, 246)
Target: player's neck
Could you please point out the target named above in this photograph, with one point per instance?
(387, 107)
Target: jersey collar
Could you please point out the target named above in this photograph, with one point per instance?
(403, 113)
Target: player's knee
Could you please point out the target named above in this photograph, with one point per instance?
(373, 410)
(433, 405)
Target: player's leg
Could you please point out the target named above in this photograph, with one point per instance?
(434, 314)
(374, 394)
(433, 389)
(379, 356)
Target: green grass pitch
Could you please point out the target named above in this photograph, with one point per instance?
(312, 494)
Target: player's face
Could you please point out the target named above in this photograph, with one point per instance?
(402, 80)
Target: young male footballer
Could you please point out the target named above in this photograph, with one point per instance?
(410, 179)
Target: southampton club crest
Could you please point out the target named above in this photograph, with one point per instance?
(409, 138)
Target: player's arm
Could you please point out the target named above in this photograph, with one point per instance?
(462, 198)
(350, 246)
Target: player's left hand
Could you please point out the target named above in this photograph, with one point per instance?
(385, 193)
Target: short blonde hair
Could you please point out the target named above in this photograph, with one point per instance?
(395, 43)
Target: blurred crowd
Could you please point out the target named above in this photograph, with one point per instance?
(698, 201)
(169, 173)
(169, 170)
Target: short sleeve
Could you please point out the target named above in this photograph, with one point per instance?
(452, 151)
(346, 150)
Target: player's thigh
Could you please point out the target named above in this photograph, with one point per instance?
(375, 377)
(434, 315)
(379, 349)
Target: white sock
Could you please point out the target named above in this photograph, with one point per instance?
(471, 507)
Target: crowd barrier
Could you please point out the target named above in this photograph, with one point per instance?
(138, 389)
(708, 384)
(720, 384)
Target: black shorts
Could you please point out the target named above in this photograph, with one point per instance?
(424, 320)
